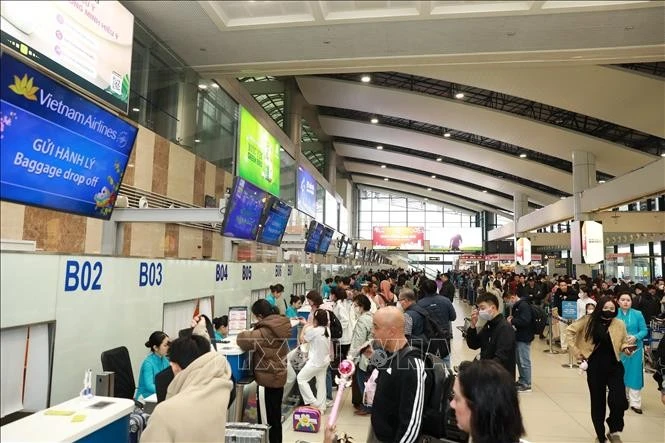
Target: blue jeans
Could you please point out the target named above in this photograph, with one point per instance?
(361, 378)
(329, 383)
(523, 354)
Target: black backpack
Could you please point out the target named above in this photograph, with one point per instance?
(538, 319)
(438, 338)
(335, 326)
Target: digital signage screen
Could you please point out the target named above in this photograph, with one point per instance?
(331, 211)
(59, 150)
(258, 154)
(326, 239)
(398, 237)
(306, 192)
(274, 223)
(456, 239)
(342, 246)
(88, 43)
(244, 211)
(313, 237)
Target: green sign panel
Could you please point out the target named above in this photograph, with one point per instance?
(258, 154)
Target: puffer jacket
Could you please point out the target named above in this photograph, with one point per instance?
(268, 340)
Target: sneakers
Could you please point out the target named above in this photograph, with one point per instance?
(614, 437)
(636, 410)
(523, 388)
(329, 403)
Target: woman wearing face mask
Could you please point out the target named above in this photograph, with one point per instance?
(636, 328)
(598, 340)
(583, 302)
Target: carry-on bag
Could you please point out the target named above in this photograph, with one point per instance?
(236, 432)
(306, 419)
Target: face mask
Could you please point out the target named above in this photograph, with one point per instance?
(485, 315)
(609, 315)
(357, 310)
(509, 304)
(589, 312)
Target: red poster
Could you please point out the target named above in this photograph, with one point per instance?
(398, 237)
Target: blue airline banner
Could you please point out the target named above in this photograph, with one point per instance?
(306, 192)
(59, 150)
(569, 310)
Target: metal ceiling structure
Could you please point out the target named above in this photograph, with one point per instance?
(655, 68)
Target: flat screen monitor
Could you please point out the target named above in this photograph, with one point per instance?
(59, 150)
(244, 211)
(341, 242)
(313, 237)
(326, 239)
(274, 222)
(345, 248)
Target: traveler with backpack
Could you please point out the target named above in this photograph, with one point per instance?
(426, 334)
(486, 403)
(522, 320)
(397, 411)
(439, 307)
(385, 297)
(362, 333)
(407, 301)
(496, 340)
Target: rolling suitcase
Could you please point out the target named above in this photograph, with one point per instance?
(245, 433)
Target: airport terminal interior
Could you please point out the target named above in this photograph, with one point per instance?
(163, 160)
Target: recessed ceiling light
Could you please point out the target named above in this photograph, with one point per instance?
(563, 197)
(385, 179)
(459, 95)
(447, 134)
(522, 155)
(663, 154)
(429, 189)
(203, 86)
(374, 120)
(379, 147)
(439, 159)
(485, 191)
(601, 181)
(426, 199)
(383, 166)
(135, 109)
(214, 85)
(365, 79)
(433, 176)
(197, 140)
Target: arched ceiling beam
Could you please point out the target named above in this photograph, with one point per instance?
(531, 170)
(443, 170)
(455, 114)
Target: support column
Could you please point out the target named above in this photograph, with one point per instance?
(520, 208)
(293, 105)
(584, 177)
(188, 95)
(331, 171)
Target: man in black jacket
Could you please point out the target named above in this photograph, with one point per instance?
(440, 308)
(521, 320)
(447, 289)
(496, 340)
(400, 388)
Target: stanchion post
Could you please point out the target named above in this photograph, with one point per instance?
(551, 338)
(570, 364)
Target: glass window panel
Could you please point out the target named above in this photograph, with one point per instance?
(365, 234)
(380, 204)
(642, 249)
(434, 218)
(656, 250)
(416, 218)
(365, 217)
(416, 204)
(452, 219)
(433, 207)
(397, 217)
(365, 226)
(380, 217)
(622, 249)
(365, 204)
(398, 204)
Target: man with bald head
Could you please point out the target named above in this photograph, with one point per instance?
(400, 388)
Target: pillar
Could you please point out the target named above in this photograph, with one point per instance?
(331, 171)
(584, 177)
(520, 208)
(188, 96)
(293, 104)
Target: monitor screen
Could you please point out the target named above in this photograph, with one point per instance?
(340, 242)
(313, 237)
(345, 248)
(274, 223)
(244, 211)
(59, 150)
(326, 239)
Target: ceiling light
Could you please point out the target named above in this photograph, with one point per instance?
(203, 86)
(522, 155)
(447, 134)
(379, 147)
(214, 85)
(385, 179)
(374, 120)
(459, 95)
(485, 191)
(563, 197)
(426, 199)
(365, 79)
(196, 140)
(601, 181)
(383, 166)
(135, 109)
(663, 154)
(439, 159)
(433, 176)
(429, 189)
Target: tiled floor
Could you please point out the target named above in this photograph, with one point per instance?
(557, 411)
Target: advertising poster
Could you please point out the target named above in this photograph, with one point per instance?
(306, 192)
(456, 239)
(258, 154)
(59, 150)
(331, 212)
(523, 251)
(593, 247)
(86, 42)
(398, 237)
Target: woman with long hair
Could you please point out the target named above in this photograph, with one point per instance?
(636, 328)
(486, 404)
(598, 341)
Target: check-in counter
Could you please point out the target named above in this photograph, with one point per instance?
(99, 419)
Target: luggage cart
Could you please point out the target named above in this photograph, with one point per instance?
(651, 342)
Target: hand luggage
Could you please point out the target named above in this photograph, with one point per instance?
(306, 419)
(245, 433)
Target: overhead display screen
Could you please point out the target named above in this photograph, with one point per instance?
(326, 239)
(244, 211)
(313, 237)
(398, 237)
(258, 154)
(456, 239)
(331, 211)
(88, 43)
(275, 221)
(306, 192)
(59, 150)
